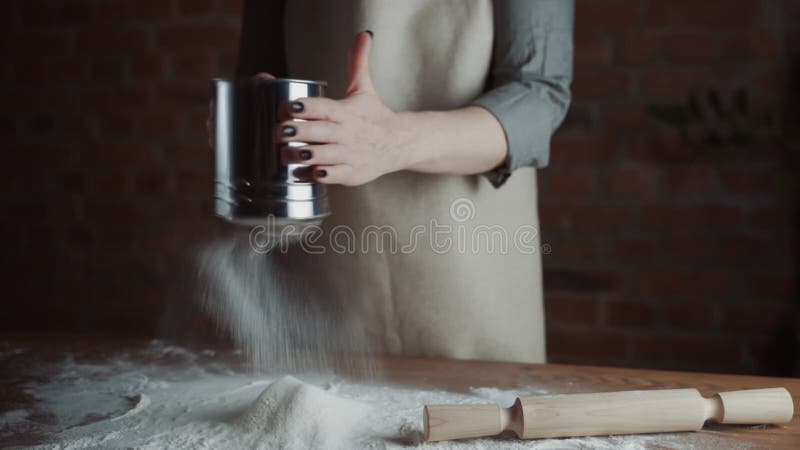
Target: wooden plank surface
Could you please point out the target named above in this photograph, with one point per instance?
(454, 375)
(565, 379)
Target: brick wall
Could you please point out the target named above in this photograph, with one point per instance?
(658, 258)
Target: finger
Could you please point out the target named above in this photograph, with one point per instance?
(338, 174)
(264, 75)
(318, 108)
(314, 131)
(326, 154)
(358, 66)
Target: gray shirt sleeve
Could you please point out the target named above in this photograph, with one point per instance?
(529, 80)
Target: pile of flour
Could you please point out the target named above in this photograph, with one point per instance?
(168, 397)
(290, 414)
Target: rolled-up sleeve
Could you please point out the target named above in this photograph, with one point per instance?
(529, 82)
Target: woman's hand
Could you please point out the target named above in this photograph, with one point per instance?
(353, 140)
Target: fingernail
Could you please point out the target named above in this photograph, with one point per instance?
(305, 155)
(322, 173)
(298, 107)
(371, 34)
(289, 130)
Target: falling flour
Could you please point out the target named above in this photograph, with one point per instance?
(263, 301)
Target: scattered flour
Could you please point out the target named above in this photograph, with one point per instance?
(162, 398)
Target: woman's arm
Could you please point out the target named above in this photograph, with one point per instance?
(358, 139)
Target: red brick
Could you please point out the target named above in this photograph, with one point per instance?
(662, 147)
(118, 153)
(635, 182)
(155, 9)
(574, 249)
(122, 210)
(193, 64)
(582, 346)
(117, 125)
(740, 249)
(112, 40)
(748, 180)
(758, 318)
(626, 116)
(194, 182)
(693, 181)
(588, 218)
(157, 125)
(772, 218)
(205, 36)
(581, 280)
(607, 16)
(688, 249)
(44, 43)
(683, 283)
(750, 45)
(696, 315)
(774, 286)
(708, 13)
(232, 6)
(689, 47)
(571, 182)
(637, 48)
(632, 250)
(112, 11)
(111, 182)
(599, 85)
(676, 218)
(584, 148)
(701, 349)
(674, 80)
(592, 50)
(148, 66)
(153, 182)
(196, 7)
(628, 313)
(571, 309)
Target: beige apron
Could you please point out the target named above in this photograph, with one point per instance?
(466, 301)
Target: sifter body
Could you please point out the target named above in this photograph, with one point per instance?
(252, 184)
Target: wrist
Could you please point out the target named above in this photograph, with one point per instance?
(417, 134)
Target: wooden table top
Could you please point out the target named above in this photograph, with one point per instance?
(454, 375)
(460, 375)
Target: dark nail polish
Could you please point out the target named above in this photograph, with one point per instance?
(322, 173)
(298, 107)
(289, 130)
(371, 34)
(305, 155)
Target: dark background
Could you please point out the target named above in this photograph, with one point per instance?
(660, 256)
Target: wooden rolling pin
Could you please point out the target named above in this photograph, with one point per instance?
(607, 413)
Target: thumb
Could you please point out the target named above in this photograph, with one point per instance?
(358, 66)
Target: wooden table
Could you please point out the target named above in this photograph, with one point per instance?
(445, 374)
(460, 375)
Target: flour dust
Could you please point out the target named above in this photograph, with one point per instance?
(275, 315)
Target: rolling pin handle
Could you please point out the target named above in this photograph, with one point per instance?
(754, 406)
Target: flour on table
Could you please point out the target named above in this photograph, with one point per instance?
(164, 398)
(295, 415)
